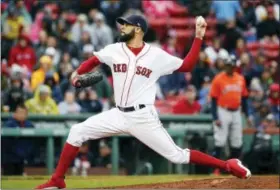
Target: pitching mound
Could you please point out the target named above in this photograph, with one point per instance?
(264, 182)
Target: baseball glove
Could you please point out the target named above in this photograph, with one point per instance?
(88, 79)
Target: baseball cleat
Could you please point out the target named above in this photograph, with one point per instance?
(53, 183)
(236, 168)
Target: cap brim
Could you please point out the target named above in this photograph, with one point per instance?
(122, 21)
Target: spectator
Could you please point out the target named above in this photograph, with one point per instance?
(266, 80)
(219, 65)
(258, 67)
(112, 10)
(170, 45)
(188, 105)
(270, 27)
(157, 9)
(16, 151)
(199, 8)
(213, 52)
(87, 51)
(89, 101)
(37, 28)
(232, 34)
(12, 24)
(204, 100)
(82, 161)
(172, 85)
(50, 80)
(240, 48)
(201, 70)
(261, 113)
(249, 18)
(244, 67)
(102, 34)
(79, 27)
(41, 45)
(69, 105)
(53, 50)
(65, 45)
(274, 100)
(268, 124)
(104, 158)
(23, 54)
(38, 76)
(225, 11)
(66, 66)
(42, 103)
(261, 12)
(85, 40)
(15, 95)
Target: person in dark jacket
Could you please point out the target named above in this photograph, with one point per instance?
(16, 151)
(56, 91)
(89, 101)
(15, 94)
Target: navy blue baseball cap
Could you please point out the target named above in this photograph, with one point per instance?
(135, 20)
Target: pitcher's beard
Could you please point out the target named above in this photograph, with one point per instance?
(127, 37)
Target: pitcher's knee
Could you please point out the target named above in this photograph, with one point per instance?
(77, 135)
(181, 156)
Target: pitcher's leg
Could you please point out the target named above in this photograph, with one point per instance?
(101, 125)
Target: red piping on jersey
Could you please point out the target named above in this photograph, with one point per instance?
(126, 73)
(134, 73)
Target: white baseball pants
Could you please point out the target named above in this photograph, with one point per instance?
(144, 124)
(231, 126)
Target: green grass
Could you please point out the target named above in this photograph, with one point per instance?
(30, 182)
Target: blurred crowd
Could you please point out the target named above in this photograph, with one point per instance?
(43, 42)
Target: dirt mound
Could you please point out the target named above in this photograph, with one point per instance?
(263, 182)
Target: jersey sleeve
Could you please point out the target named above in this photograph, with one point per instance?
(105, 55)
(168, 63)
(215, 88)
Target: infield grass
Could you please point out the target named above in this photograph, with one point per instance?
(12, 182)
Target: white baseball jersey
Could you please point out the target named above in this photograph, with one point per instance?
(134, 84)
(135, 76)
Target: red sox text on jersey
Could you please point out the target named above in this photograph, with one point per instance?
(139, 70)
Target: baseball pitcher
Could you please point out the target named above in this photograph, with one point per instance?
(228, 92)
(136, 66)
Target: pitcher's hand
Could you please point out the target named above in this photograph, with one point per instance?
(200, 27)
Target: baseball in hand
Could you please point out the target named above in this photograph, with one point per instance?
(200, 27)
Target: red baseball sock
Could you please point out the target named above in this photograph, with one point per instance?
(68, 154)
(200, 158)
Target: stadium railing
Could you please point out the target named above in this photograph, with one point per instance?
(178, 126)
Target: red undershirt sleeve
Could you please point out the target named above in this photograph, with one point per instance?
(88, 65)
(192, 56)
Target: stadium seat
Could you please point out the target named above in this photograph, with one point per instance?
(178, 11)
(254, 53)
(211, 22)
(178, 23)
(159, 25)
(183, 37)
(191, 22)
(210, 34)
(271, 55)
(270, 47)
(253, 46)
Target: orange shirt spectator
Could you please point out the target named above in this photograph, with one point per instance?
(187, 105)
